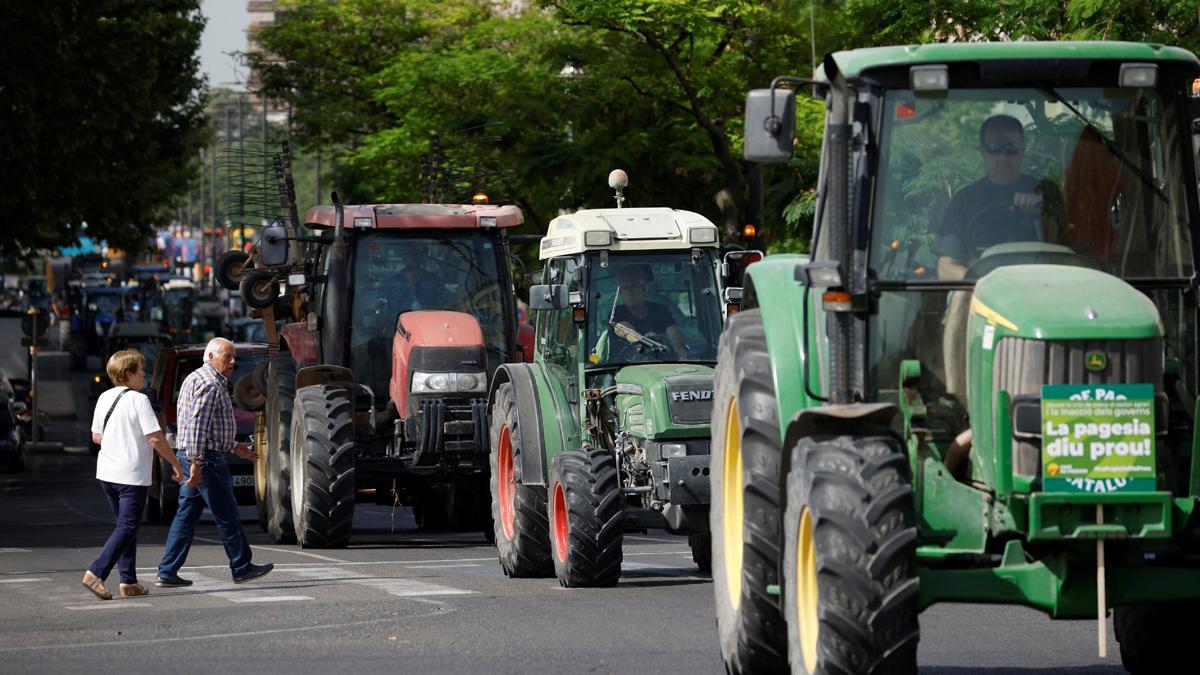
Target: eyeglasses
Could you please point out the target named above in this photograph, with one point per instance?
(1003, 148)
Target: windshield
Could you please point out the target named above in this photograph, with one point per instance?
(394, 273)
(653, 307)
(980, 178)
(106, 304)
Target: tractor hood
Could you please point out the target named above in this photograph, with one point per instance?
(1059, 302)
(665, 400)
(436, 328)
(436, 342)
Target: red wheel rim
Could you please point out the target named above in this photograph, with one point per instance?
(560, 522)
(506, 485)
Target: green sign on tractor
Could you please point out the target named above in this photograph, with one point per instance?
(981, 385)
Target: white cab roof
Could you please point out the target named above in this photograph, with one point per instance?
(632, 229)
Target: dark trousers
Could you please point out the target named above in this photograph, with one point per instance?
(215, 489)
(127, 503)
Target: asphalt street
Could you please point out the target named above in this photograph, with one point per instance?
(398, 599)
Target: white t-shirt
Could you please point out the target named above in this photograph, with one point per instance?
(125, 454)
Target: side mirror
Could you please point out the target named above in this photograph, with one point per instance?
(770, 127)
(273, 248)
(552, 296)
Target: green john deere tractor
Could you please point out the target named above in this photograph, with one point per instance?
(608, 427)
(982, 385)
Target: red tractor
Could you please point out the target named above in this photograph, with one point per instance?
(424, 288)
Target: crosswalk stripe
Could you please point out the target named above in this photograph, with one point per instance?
(14, 550)
(227, 590)
(400, 587)
(272, 598)
(27, 580)
(108, 605)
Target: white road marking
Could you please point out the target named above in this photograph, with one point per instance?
(27, 580)
(291, 551)
(227, 590)
(218, 636)
(656, 540)
(107, 605)
(442, 566)
(14, 550)
(272, 598)
(399, 587)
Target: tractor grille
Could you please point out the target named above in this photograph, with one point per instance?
(689, 399)
(1022, 366)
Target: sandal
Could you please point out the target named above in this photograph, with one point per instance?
(96, 585)
(134, 589)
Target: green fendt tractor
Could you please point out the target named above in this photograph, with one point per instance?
(982, 386)
(608, 428)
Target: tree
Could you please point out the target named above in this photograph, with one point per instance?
(101, 116)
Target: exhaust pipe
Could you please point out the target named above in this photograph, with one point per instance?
(336, 309)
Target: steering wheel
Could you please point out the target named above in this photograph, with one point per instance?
(1025, 253)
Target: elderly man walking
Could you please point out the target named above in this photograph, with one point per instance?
(205, 438)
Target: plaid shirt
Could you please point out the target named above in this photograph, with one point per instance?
(205, 414)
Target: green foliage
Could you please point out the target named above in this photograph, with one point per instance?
(100, 111)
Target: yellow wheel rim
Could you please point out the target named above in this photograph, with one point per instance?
(731, 501)
(806, 591)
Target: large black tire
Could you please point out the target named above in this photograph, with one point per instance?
(322, 449)
(281, 398)
(1153, 637)
(850, 558)
(745, 515)
(701, 545)
(586, 518)
(519, 516)
(78, 351)
(457, 507)
(167, 495)
(230, 269)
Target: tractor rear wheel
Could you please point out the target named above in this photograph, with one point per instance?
(519, 517)
(586, 518)
(850, 558)
(281, 398)
(745, 515)
(701, 545)
(167, 495)
(322, 449)
(1152, 636)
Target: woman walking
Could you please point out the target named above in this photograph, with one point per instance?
(126, 428)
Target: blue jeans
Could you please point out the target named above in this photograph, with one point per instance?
(127, 503)
(216, 490)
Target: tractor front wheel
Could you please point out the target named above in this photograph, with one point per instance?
(519, 518)
(745, 515)
(1152, 635)
(850, 558)
(586, 518)
(281, 398)
(322, 449)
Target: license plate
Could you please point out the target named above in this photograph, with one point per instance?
(243, 481)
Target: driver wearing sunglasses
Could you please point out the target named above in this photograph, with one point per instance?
(1003, 206)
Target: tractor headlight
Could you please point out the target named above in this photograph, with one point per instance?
(447, 383)
(597, 238)
(702, 235)
(673, 450)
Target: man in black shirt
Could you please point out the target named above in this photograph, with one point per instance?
(1003, 206)
(634, 317)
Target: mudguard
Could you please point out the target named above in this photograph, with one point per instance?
(539, 408)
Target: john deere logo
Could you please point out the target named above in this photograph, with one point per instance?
(1097, 361)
